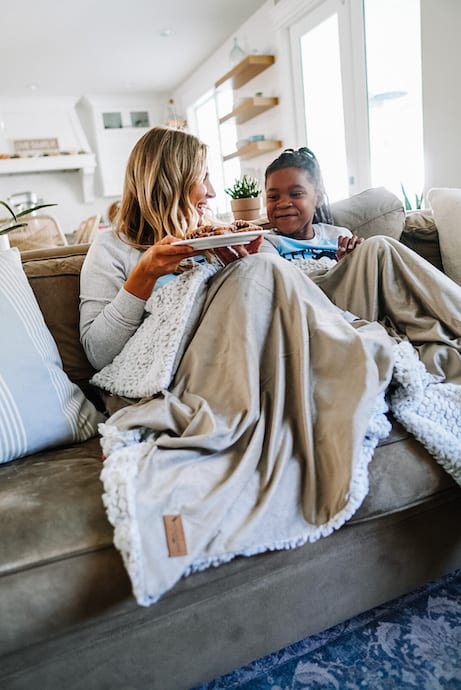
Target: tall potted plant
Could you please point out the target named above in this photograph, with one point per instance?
(11, 223)
(245, 196)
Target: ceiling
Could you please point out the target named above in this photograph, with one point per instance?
(63, 48)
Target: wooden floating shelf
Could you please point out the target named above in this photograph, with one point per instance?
(250, 67)
(255, 148)
(249, 109)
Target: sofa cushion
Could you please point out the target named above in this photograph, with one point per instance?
(446, 207)
(60, 567)
(54, 276)
(375, 211)
(420, 234)
(65, 517)
(401, 475)
(58, 564)
(39, 405)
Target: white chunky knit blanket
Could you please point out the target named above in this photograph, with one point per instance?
(147, 363)
(428, 409)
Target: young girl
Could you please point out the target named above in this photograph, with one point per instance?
(382, 280)
(297, 207)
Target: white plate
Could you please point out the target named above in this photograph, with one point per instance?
(226, 240)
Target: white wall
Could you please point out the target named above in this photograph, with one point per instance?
(77, 126)
(113, 146)
(441, 28)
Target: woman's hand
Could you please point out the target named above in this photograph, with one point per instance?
(346, 245)
(229, 254)
(161, 258)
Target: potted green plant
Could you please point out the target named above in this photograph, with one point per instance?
(11, 223)
(408, 205)
(245, 196)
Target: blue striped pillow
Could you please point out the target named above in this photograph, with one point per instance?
(39, 406)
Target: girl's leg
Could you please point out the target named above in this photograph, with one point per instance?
(385, 281)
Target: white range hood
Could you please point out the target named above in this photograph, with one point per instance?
(31, 120)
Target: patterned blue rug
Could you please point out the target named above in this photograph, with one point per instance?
(412, 642)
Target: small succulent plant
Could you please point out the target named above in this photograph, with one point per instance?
(244, 188)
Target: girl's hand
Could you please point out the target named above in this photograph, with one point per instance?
(229, 254)
(346, 245)
(161, 258)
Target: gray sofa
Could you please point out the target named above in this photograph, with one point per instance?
(67, 616)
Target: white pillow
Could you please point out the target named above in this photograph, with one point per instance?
(446, 209)
(39, 406)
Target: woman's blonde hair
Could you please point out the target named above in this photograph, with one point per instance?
(162, 168)
(112, 211)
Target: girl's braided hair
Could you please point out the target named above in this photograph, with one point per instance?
(305, 159)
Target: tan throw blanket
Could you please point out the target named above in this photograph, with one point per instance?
(264, 437)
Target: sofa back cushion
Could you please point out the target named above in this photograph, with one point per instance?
(375, 211)
(54, 275)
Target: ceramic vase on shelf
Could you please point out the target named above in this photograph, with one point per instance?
(237, 54)
(248, 208)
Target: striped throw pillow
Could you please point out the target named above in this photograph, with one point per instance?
(39, 406)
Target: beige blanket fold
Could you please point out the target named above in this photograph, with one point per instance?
(387, 282)
(264, 437)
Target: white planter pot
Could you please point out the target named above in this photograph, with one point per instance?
(246, 209)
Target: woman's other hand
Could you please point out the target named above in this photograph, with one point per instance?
(346, 245)
(229, 254)
(161, 258)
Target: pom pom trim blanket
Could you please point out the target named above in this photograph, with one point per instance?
(261, 437)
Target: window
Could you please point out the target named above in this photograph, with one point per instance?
(358, 93)
(205, 120)
(395, 95)
(323, 102)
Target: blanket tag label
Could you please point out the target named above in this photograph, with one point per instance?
(175, 537)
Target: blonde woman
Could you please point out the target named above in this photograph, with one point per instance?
(166, 193)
